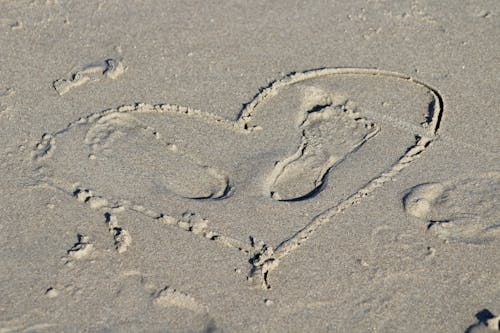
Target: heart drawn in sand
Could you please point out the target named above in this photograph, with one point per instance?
(304, 149)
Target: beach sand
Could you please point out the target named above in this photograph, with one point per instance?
(286, 166)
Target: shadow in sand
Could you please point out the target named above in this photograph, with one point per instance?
(482, 317)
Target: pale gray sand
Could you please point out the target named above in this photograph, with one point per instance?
(154, 180)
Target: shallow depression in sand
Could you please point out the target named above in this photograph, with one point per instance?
(466, 210)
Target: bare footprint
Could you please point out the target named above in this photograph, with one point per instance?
(465, 210)
(118, 140)
(329, 134)
(109, 68)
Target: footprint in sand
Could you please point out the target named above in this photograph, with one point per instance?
(329, 134)
(465, 210)
(107, 69)
(120, 139)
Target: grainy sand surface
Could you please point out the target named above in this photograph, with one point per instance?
(264, 166)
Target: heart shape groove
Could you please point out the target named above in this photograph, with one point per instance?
(296, 151)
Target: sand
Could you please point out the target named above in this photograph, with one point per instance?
(249, 167)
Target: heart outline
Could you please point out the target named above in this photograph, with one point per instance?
(263, 258)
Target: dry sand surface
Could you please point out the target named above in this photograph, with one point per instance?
(249, 166)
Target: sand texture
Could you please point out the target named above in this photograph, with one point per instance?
(268, 166)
